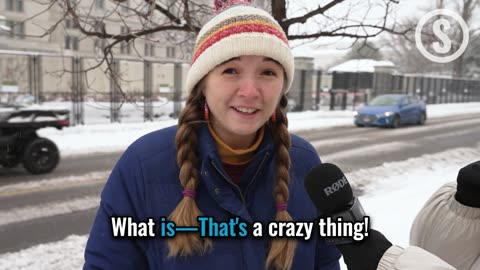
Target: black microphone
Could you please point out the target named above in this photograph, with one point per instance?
(331, 193)
(329, 190)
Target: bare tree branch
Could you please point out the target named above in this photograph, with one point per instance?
(339, 32)
(305, 17)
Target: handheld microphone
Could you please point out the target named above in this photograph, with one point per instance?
(329, 190)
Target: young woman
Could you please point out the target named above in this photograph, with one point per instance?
(230, 156)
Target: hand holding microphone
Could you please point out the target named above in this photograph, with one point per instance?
(366, 254)
(331, 193)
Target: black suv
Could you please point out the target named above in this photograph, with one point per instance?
(19, 142)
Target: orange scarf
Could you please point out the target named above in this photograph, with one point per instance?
(236, 156)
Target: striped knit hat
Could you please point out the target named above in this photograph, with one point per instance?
(239, 29)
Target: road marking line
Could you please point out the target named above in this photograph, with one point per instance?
(339, 141)
(20, 214)
(53, 184)
(450, 134)
(368, 150)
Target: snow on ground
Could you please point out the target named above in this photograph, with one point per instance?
(62, 255)
(386, 202)
(116, 137)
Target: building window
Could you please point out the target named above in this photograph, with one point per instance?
(17, 29)
(124, 45)
(9, 5)
(14, 5)
(170, 52)
(71, 43)
(99, 26)
(73, 2)
(99, 44)
(4, 28)
(100, 4)
(67, 42)
(147, 8)
(149, 49)
(69, 24)
(125, 6)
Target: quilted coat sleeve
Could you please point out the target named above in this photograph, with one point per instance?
(448, 229)
(411, 258)
(121, 196)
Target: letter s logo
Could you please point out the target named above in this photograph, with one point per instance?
(442, 36)
(447, 43)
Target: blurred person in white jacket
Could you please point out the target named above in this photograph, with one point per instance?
(448, 225)
(376, 252)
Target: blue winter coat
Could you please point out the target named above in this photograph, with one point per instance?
(144, 184)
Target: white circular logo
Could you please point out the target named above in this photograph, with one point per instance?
(447, 43)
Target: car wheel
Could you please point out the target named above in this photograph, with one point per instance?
(422, 119)
(358, 125)
(396, 121)
(40, 156)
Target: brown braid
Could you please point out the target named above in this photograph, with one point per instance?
(186, 212)
(282, 250)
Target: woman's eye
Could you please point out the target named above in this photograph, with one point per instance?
(230, 71)
(269, 73)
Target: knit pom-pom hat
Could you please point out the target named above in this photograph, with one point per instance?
(238, 28)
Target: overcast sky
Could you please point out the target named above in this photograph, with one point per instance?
(328, 50)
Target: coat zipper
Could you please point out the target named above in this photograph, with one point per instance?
(229, 181)
(249, 184)
(256, 173)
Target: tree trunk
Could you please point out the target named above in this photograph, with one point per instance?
(279, 12)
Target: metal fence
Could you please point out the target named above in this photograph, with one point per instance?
(131, 90)
(431, 89)
(149, 89)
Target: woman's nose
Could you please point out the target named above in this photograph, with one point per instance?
(248, 87)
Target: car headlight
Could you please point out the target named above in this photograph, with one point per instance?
(387, 114)
(355, 113)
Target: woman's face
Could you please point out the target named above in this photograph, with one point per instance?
(242, 94)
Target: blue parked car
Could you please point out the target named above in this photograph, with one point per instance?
(391, 110)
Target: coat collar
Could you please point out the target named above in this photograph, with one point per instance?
(207, 148)
(228, 195)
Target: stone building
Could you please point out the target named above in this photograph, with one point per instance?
(29, 21)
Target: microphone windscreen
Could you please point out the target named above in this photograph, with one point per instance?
(328, 189)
